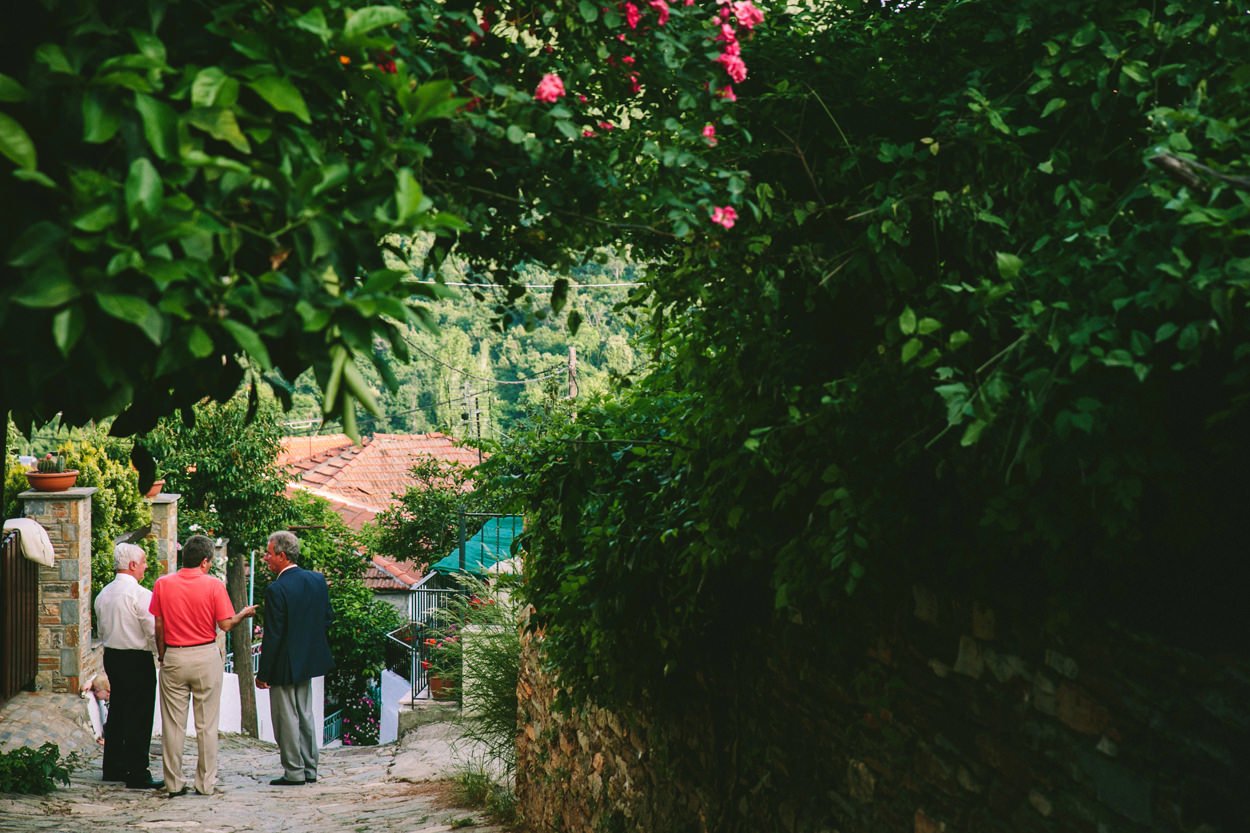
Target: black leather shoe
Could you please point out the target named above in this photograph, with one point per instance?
(109, 776)
(312, 780)
(182, 791)
(282, 782)
(145, 784)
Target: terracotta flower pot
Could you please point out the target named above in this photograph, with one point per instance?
(157, 485)
(441, 689)
(52, 481)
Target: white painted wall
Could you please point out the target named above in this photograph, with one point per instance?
(231, 718)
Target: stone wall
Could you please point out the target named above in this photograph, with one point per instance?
(949, 715)
(64, 639)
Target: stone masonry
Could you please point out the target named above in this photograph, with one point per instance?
(165, 529)
(64, 640)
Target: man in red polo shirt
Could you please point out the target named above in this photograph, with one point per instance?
(189, 606)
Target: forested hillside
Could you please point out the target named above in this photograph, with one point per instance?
(472, 376)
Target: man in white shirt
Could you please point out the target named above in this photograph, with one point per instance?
(128, 631)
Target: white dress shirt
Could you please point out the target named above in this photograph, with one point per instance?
(121, 612)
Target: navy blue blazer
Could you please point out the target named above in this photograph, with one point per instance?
(296, 645)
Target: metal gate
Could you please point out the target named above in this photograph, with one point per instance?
(19, 601)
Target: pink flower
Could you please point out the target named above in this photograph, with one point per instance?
(634, 86)
(725, 217)
(549, 89)
(632, 15)
(689, 2)
(606, 125)
(709, 133)
(628, 60)
(747, 14)
(587, 133)
(727, 34)
(621, 37)
(734, 66)
(727, 93)
(581, 99)
(662, 9)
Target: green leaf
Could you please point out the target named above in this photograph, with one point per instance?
(907, 321)
(149, 45)
(282, 96)
(251, 343)
(361, 22)
(1053, 105)
(134, 310)
(958, 339)
(972, 433)
(409, 199)
(67, 327)
(1008, 265)
(1166, 330)
(314, 21)
(96, 219)
(1085, 35)
(220, 123)
(559, 294)
(159, 125)
(15, 143)
(53, 57)
(515, 134)
(212, 87)
(928, 325)
(910, 348)
(199, 342)
(49, 288)
(35, 244)
(10, 89)
(99, 123)
(143, 189)
(588, 10)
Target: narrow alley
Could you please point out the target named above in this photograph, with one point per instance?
(390, 788)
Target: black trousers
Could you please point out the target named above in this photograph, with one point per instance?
(132, 701)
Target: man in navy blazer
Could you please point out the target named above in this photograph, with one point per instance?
(294, 649)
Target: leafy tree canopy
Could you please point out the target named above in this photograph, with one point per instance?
(988, 329)
(192, 192)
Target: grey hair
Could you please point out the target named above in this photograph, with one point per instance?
(285, 542)
(123, 554)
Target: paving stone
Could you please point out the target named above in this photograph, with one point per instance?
(390, 788)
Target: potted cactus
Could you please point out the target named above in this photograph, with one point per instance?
(49, 474)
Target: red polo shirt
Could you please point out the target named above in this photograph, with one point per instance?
(190, 603)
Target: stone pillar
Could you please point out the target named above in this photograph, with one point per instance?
(64, 642)
(165, 529)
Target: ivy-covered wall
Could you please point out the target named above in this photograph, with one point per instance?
(950, 717)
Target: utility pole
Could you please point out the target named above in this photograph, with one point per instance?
(573, 377)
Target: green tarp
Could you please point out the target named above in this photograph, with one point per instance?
(483, 549)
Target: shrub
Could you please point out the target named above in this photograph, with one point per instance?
(36, 771)
(361, 721)
(490, 650)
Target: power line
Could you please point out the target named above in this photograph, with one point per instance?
(547, 374)
(532, 285)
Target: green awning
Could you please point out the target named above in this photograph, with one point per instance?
(485, 548)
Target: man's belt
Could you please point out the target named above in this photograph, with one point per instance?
(196, 645)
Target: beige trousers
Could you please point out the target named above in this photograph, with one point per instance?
(193, 673)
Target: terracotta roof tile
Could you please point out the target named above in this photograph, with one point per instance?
(360, 481)
(391, 574)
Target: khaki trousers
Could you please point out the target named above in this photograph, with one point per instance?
(194, 673)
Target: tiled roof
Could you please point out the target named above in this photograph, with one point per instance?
(360, 481)
(387, 574)
(303, 448)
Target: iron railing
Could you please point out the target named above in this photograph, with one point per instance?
(333, 728)
(19, 602)
(255, 660)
